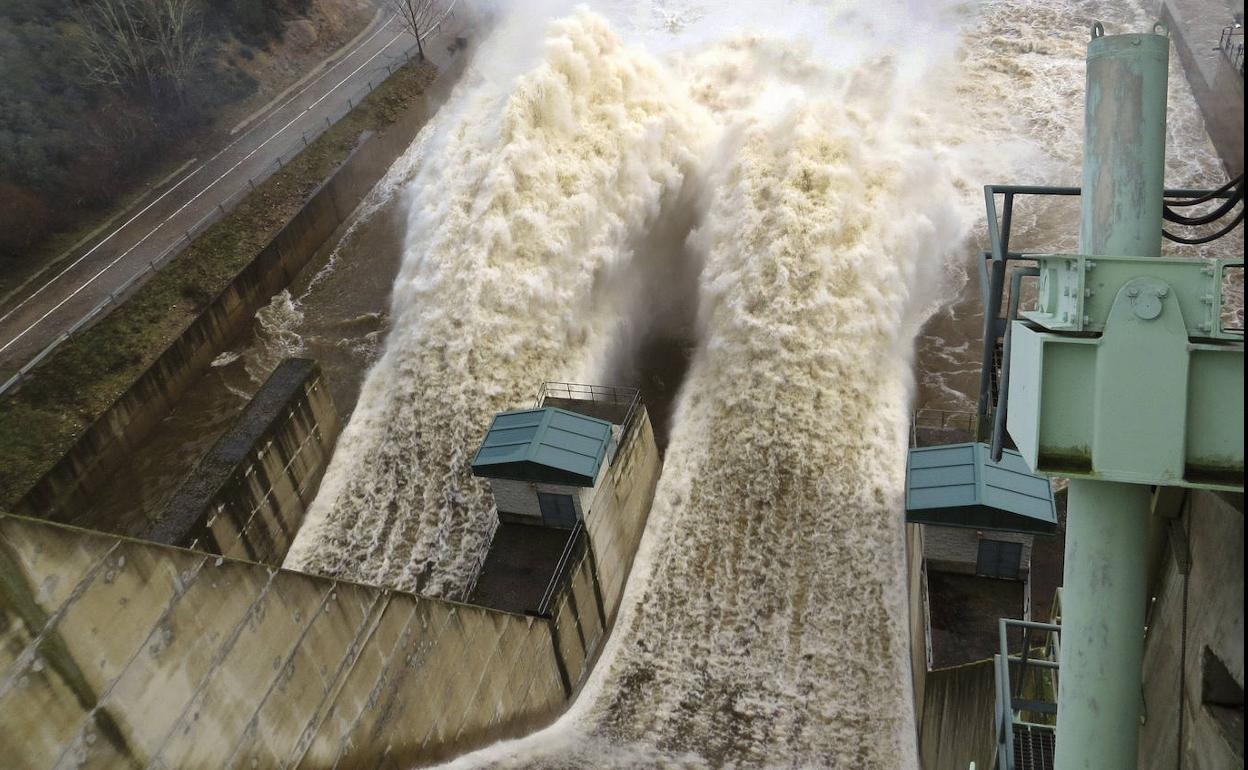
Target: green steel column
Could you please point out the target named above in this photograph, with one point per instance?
(1124, 145)
(1104, 597)
(1105, 582)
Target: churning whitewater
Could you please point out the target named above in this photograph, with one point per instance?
(765, 624)
(529, 197)
(768, 617)
(828, 161)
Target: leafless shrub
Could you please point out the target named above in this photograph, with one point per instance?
(141, 45)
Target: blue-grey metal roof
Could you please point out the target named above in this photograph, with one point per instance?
(958, 485)
(548, 445)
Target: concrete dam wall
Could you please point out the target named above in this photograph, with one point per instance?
(130, 419)
(1193, 689)
(118, 652)
(247, 497)
(126, 653)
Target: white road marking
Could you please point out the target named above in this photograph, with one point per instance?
(199, 169)
(210, 185)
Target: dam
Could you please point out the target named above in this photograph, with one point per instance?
(639, 399)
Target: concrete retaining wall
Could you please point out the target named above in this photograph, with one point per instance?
(1214, 621)
(247, 497)
(587, 601)
(957, 725)
(1196, 27)
(916, 594)
(104, 446)
(118, 652)
(124, 653)
(621, 506)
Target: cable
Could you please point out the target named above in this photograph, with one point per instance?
(1222, 209)
(1203, 219)
(1209, 216)
(1206, 239)
(1207, 196)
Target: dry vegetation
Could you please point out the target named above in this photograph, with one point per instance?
(64, 396)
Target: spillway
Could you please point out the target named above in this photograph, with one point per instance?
(526, 204)
(825, 164)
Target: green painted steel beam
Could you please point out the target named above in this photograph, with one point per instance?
(1105, 580)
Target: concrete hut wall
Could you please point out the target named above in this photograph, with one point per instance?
(956, 549)
(246, 499)
(1212, 621)
(64, 490)
(519, 498)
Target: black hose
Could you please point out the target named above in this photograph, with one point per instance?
(1217, 213)
(1206, 239)
(1207, 196)
(1224, 208)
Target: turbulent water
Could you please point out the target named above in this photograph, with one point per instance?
(530, 197)
(1023, 65)
(820, 171)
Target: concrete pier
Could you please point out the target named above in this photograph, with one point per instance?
(1196, 27)
(123, 653)
(247, 497)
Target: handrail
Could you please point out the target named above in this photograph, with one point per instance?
(575, 391)
(485, 555)
(942, 419)
(1008, 706)
(548, 596)
(992, 267)
(1234, 52)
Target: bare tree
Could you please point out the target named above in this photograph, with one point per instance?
(116, 52)
(418, 17)
(141, 44)
(176, 38)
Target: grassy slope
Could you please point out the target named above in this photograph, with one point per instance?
(63, 397)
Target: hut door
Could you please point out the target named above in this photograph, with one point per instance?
(999, 559)
(557, 510)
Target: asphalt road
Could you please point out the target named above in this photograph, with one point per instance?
(50, 306)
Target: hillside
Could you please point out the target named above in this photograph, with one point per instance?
(102, 96)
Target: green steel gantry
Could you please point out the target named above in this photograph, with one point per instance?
(1123, 379)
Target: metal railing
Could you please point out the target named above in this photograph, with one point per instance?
(1231, 48)
(561, 570)
(942, 419)
(1020, 695)
(605, 394)
(993, 268)
(483, 557)
(153, 265)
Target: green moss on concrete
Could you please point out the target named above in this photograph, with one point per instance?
(73, 387)
(15, 594)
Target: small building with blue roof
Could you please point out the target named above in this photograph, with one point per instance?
(979, 516)
(544, 464)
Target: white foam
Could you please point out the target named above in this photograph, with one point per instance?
(831, 155)
(530, 195)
